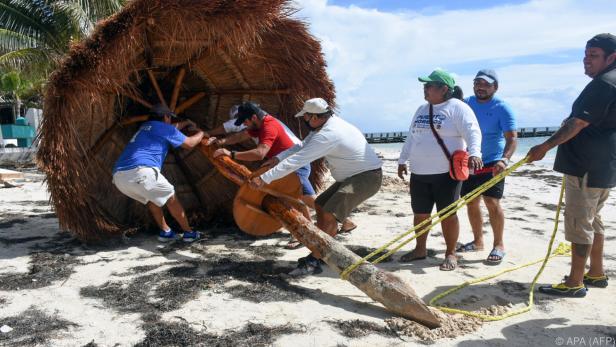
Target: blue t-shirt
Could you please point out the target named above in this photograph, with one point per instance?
(494, 118)
(149, 146)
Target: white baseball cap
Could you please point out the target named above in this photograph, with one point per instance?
(316, 106)
(233, 111)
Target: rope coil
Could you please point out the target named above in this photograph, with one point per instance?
(561, 250)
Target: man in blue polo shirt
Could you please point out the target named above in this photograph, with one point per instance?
(499, 141)
(137, 172)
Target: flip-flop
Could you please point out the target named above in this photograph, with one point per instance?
(499, 254)
(468, 247)
(293, 244)
(408, 258)
(348, 230)
(450, 263)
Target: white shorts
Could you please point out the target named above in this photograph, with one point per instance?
(144, 184)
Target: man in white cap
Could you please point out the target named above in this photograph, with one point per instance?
(352, 163)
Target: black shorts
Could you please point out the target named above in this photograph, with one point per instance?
(427, 190)
(475, 181)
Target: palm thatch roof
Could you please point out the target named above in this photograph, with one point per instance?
(228, 51)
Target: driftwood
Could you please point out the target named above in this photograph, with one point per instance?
(384, 287)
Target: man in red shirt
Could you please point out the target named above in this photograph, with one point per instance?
(272, 140)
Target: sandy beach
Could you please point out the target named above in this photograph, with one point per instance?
(230, 289)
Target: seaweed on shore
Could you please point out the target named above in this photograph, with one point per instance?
(45, 269)
(182, 334)
(359, 328)
(33, 328)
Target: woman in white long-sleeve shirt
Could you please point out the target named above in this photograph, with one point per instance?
(430, 182)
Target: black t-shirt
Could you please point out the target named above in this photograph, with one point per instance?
(593, 150)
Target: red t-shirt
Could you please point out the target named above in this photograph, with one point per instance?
(273, 135)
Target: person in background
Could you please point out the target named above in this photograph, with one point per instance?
(586, 155)
(430, 182)
(137, 174)
(498, 143)
(352, 163)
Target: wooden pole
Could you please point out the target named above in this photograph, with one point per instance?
(139, 100)
(186, 104)
(384, 287)
(176, 89)
(156, 87)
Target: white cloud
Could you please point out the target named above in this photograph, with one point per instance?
(375, 57)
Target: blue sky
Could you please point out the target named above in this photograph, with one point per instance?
(376, 50)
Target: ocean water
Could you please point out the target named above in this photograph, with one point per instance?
(524, 145)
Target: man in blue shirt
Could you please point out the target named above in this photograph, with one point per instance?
(499, 141)
(137, 172)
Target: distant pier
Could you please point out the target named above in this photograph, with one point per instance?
(400, 136)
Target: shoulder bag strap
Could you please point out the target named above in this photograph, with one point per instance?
(438, 137)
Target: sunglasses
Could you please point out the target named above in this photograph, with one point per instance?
(433, 85)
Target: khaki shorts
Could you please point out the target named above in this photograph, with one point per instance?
(582, 207)
(342, 197)
(144, 184)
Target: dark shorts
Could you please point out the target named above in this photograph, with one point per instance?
(304, 173)
(475, 181)
(342, 197)
(427, 190)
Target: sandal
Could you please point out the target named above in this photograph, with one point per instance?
(350, 228)
(497, 256)
(450, 263)
(293, 244)
(468, 247)
(410, 257)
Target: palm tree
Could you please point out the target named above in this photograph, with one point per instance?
(35, 34)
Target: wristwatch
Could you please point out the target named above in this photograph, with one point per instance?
(233, 155)
(506, 161)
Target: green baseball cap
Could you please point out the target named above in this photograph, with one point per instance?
(440, 76)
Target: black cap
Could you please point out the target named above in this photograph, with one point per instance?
(605, 41)
(162, 110)
(246, 110)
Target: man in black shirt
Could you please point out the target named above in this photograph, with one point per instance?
(587, 156)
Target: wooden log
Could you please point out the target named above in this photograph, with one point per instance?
(384, 287)
(259, 223)
(176, 89)
(186, 104)
(154, 82)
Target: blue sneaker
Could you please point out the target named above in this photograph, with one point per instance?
(191, 236)
(166, 236)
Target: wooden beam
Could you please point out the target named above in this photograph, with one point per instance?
(156, 87)
(138, 99)
(176, 89)
(384, 287)
(186, 104)
(249, 91)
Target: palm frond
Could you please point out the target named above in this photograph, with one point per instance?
(30, 18)
(73, 18)
(10, 41)
(29, 60)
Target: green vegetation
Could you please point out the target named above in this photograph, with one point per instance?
(36, 34)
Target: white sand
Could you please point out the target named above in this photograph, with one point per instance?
(213, 308)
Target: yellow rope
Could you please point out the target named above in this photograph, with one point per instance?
(562, 249)
(439, 216)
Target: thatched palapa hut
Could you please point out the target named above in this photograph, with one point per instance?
(199, 55)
